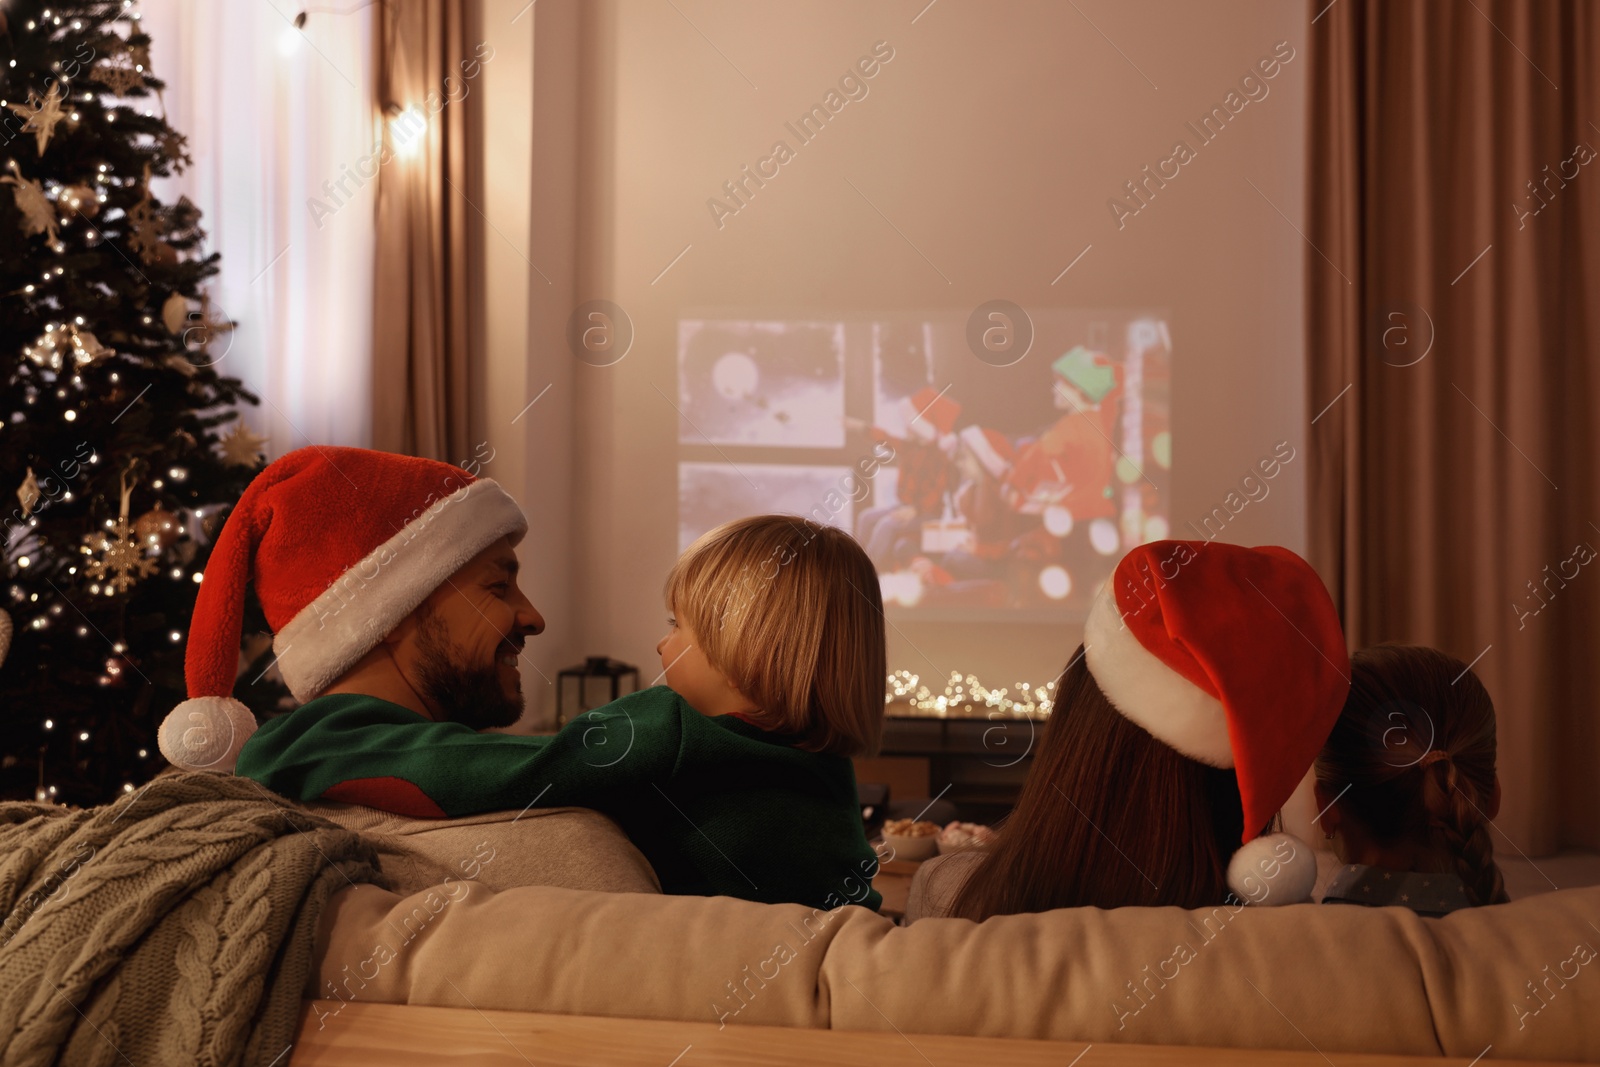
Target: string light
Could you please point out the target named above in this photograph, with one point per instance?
(965, 696)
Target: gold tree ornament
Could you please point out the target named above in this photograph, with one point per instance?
(79, 198)
(121, 72)
(28, 493)
(145, 225)
(175, 313)
(86, 348)
(38, 213)
(42, 114)
(158, 528)
(241, 448)
(175, 146)
(60, 346)
(121, 560)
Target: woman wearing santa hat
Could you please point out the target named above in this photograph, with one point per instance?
(1208, 679)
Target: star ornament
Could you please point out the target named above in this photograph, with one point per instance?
(42, 115)
(241, 448)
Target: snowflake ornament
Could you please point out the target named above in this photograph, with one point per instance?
(175, 146)
(38, 213)
(144, 229)
(122, 561)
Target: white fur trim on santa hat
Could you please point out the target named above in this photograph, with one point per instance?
(917, 424)
(1273, 869)
(331, 634)
(1149, 693)
(205, 734)
(977, 439)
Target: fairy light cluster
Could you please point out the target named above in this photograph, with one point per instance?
(963, 696)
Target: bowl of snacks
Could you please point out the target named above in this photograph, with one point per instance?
(911, 839)
(961, 836)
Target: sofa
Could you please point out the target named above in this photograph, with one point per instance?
(1521, 978)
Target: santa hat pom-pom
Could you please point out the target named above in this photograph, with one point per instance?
(1273, 869)
(206, 734)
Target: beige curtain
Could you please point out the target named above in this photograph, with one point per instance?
(1455, 203)
(427, 326)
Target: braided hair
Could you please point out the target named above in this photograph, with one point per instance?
(1414, 754)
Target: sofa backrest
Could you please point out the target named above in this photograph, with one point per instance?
(575, 848)
(1522, 977)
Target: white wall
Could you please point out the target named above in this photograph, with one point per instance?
(529, 145)
(993, 139)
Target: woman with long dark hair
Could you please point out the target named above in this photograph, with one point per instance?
(1208, 679)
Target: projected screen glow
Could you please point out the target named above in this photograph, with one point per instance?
(1002, 491)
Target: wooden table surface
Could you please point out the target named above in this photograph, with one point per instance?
(395, 1035)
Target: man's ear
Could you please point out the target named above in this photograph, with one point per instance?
(407, 627)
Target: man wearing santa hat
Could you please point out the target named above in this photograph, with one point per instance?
(410, 597)
(388, 580)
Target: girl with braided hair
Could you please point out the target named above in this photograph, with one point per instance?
(1407, 785)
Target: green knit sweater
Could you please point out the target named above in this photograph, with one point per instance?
(719, 806)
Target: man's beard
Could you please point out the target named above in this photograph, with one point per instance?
(472, 696)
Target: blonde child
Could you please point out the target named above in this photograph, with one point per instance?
(733, 779)
(1408, 782)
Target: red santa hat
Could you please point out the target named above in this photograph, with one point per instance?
(341, 544)
(991, 448)
(931, 411)
(1235, 658)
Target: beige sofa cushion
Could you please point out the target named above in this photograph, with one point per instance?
(1324, 976)
(576, 848)
(558, 950)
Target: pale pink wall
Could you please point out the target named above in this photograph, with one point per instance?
(993, 139)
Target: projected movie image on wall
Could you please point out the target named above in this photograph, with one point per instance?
(1005, 491)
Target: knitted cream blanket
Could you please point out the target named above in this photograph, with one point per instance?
(175, 926)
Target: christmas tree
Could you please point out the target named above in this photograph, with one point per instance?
(119, 438)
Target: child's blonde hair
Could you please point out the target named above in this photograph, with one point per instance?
(790, 611)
